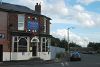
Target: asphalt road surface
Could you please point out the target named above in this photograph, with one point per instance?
(88, 60)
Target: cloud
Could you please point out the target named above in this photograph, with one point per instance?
(83, 17)
(96, 18)
(57, 10)
(60, 13)
(62, 33)
(86, 2)
(94, 36)
(55, 7)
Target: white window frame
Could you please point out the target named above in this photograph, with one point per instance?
(13, 41)
(21, 18)
(46, 42)
(45, 25)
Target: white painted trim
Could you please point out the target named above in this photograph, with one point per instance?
(17, 56)
(49, 42)
(41, 44)
(12, 44)
(45, 25)
(35, 39)
(37, 49)
(21, 19)
(17, 44)
(28, 44)
(45, 55)
(21, 38)
(25, 37)
(44, 42)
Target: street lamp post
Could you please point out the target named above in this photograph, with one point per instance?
(68, 41)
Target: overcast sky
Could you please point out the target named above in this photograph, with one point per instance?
(83, 15)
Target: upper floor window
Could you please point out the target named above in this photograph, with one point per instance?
(21, 18)
(45, 25)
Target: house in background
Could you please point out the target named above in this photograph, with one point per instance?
(24, 33)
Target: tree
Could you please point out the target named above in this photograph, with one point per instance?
(95, 46)
(72, 44)
(55, 41)
(62, 43)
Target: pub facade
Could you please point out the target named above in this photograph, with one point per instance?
(24, 33)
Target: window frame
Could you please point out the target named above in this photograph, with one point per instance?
(21, 21)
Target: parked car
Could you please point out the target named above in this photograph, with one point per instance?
(75, 56)
(89, 52)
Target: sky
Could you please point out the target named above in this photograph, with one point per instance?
(81, 16)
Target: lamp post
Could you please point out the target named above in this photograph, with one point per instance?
(68, 41)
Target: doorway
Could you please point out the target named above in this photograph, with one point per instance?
(34, 42)
(34, 47)
(1, 53)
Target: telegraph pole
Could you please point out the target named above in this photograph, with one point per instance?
(68, 41)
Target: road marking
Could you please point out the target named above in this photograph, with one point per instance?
(62, 64)
(65, 64)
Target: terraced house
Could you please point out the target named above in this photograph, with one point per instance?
(24, 33)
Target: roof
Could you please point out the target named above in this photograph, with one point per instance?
(17, 8)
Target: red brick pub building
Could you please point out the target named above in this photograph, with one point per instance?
(24, 33)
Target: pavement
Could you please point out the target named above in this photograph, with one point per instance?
(33, 61)
(88, 60)
(27, 62)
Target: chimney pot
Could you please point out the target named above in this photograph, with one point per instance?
(38, 8)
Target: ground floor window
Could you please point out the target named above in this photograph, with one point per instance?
(24, 44)
(45, 43)
(20, 44)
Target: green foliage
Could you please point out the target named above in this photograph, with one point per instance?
(95, 46)
(74, 45)
(59, 55)
(62, 43)
(55, 41)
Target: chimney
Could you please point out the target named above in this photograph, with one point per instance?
(38, 8)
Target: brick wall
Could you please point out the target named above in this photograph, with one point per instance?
(3, 30)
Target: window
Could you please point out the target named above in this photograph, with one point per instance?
(44, 44)
(45, 25)
(20, 44)
(21, 21)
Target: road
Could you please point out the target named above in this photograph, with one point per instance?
(88, 60)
